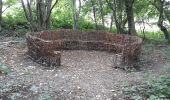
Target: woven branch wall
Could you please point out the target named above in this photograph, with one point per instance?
(45, 47)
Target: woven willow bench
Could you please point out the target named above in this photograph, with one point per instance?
(45, 47)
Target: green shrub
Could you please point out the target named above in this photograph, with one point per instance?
(62, 18)
(114, 30)
(15, 20)
(83, 25)
(62, 21)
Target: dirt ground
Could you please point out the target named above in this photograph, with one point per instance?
(84, 75)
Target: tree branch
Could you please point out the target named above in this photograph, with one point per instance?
(51, 9)
(6, 8)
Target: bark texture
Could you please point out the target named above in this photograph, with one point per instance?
(40, 20)
(130, 17)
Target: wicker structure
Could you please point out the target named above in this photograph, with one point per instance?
(45, 47)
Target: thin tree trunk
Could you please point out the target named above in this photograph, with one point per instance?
(27, 15)
(30, 15)
(101, 10)
(75, 16)
(111, 23)
(1, 15)
(51, 7)
(94, 13)
(118, 20)
(48, 3)
(38, 14)
(41, 20)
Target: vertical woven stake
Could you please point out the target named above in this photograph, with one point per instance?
(117, 60)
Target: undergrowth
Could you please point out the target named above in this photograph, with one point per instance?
(153, 89)
(153, 36)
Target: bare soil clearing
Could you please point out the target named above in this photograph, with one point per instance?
(84, 75)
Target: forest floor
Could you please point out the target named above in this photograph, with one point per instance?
(84, 75)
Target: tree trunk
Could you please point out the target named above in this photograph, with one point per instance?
(94, 13)
(40, 21)
(111, 23)
(130, 17)
(27, 15)
(1, 15)
(117, 9)
(160, 21)
(76, 14)
(101, 11)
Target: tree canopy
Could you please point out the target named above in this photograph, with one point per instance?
(118, 16)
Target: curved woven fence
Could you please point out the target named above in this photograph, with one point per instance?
(45, 47)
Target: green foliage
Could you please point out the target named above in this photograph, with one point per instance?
(114, 30)
(62, 21)
(144, 8)
(4, 69)
(45, 96)
(160, 88)
(153, 89)
(62, 16)
(83, 25)
(14, 20)
(9, 2)
(152, 36)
